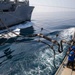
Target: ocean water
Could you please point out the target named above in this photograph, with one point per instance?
(30, 57)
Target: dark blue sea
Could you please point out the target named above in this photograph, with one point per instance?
(30, 57)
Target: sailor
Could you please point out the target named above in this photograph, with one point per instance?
(71, 59)
(71, 48)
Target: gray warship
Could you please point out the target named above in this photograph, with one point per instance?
(13, 12)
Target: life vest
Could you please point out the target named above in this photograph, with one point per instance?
(71, 56)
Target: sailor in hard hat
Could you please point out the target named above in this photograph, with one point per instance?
(71, 58)
(71, 48)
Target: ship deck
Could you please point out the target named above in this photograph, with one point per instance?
(63, 70)
(67, 71)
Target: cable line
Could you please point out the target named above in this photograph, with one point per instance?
(54, 6)
(42, 28)
(51, 48)
(40, 35)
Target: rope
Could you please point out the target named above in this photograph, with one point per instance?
(2, 28)
(55, 6)
(8, 30)
(47, 38)
(6, 27)
(40, 35)
(60, 46)
(21, 20)
(43, 28)
(51, 48)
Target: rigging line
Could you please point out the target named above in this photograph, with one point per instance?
(8, 28)
(53, 22)
(49, 39)
(9, 39)
(16, 18)
(51, 48)
(21, 19)
(55, 6)
(43, 28)
(5, 36)
(38, 34)
(48, 46)
(66, 20)
(10, 31)
(2, 28)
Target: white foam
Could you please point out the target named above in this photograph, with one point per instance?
(19, 26)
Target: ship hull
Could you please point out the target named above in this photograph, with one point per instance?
(20, 15)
